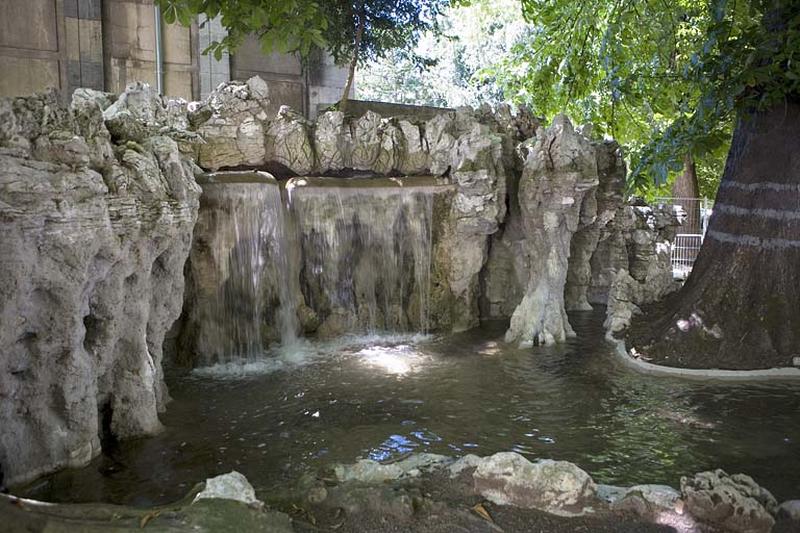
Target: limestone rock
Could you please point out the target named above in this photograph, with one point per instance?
(440, 140)
(647, 272)
(333, 142)
(234, 134)
(648, 500)
(464, 463)
(367, 141)
(376, 143)
(788, 513)
(230, 486)
(733, 502)
(90, 277)
(289, 143)
(557, 487)
(478, 207)
(415, 154)
(560, 169)
(597, 249)
(140, 112)
(369, 471)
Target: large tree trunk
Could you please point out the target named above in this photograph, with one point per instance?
(351, 73)
(740, 307)
(687, 193)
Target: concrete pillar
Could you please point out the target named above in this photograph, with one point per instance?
(212, 71)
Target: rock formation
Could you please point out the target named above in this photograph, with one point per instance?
(96, 219)
(560, 169)
(470, 214)
(734, 502)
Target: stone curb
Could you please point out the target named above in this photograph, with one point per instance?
(781, 373)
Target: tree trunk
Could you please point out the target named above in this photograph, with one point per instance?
(353, 62)
(740, 307)
(687, 193)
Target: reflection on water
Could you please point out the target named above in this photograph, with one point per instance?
(468, 393)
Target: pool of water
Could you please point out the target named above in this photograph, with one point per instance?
(382, 397)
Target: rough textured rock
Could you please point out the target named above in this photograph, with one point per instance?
(95, 236)
(557, 487)
(369, 148)
(591, 261)
(788, 515)
(560, 169)
(369, 471)
(333, 142)
(733, 502)
(230, 486)
(140, 112)
(414, 158)
(478, 208)
(235, 133)
(289, 143)
(648, 500)
(647, 277)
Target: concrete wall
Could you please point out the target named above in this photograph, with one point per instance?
(33, 46)
(129, 49)
(106, 44)
(212, 71)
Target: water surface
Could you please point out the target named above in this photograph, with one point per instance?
(381, 397)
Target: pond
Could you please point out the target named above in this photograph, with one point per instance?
(381, 397)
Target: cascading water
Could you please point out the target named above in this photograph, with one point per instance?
(366, 251)
(355, 253)
(241, 255)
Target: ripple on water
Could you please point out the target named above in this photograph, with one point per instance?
(380, 397)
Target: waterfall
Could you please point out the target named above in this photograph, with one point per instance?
(366, 251)
(241, 251)
(355, 253)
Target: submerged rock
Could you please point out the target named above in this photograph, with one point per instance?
(734, 502)
(228, 508)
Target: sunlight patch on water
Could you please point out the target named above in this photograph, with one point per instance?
(399, 360)
(392, 351)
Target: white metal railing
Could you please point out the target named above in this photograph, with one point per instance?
(693, 215)
(684, 252)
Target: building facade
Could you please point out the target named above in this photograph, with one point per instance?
(106, 44)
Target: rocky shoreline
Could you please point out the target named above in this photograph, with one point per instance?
(434, 493)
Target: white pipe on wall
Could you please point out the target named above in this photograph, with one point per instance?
(159, 51)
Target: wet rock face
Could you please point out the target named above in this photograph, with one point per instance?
(733, 502)
(96, 227)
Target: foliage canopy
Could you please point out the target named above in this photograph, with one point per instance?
(301, 26)
(666, 78)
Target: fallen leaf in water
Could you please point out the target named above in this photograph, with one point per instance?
(482, 512)
(146, 518)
